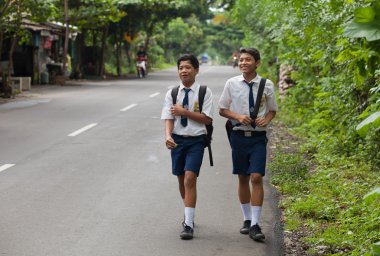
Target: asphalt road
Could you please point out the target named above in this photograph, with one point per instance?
(84, 172)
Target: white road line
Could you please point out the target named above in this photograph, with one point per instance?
(128, 107)
(82, 130)
(154, 94)
(6, 166)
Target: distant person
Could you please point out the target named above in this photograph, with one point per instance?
(234, 59)
(141, 59)
(141, 53)
(248, 138)
(185, 134)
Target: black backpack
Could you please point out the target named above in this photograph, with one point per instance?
(209, 127)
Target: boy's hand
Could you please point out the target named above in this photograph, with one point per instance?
(170, 143)
(245, 120)
(177, 110)
(261, 121)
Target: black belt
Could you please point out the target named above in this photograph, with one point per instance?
(250, 133)
(188, 136)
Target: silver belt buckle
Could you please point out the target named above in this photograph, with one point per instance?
(247, 133)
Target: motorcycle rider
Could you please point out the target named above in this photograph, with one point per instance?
(141, 59)
(234, 60)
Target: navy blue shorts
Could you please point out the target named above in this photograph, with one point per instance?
(249, 154)
(188, 155)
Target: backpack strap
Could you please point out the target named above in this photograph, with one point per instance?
(174, 94)
(201, 95)
(259, 96)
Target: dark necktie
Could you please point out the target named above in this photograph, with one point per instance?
(251, 102)
(185, 104)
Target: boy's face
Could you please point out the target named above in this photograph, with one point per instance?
(187, 73)
(248, 64)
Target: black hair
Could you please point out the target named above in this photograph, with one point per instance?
(189, 57)
(251, 51)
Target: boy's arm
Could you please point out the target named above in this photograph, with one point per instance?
(265, 120)
(169, 142)
(178, 110)
(243, 119)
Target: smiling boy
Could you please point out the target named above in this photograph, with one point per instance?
(185, 133)
(248, 137)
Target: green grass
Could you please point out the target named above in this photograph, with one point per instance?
(324, 194)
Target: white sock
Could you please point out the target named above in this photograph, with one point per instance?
(189, 216)
(256, 212)
(246, 209)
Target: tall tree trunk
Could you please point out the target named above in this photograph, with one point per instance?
(10, 63)
(66, 45)
(6, 79)
(95, 58)
(103, 50)
(128, 52)
(1, 43)
(3, 76)
(118, 52)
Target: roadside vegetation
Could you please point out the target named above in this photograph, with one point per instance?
(327, 167)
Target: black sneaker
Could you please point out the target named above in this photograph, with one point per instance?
(187, 233)
(184, 224)
(245, 229)
(255, 233)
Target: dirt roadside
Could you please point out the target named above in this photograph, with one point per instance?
(281, 139)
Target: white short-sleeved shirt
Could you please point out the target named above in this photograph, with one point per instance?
(235, 97)
(193, 128)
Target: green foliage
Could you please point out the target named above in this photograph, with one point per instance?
(91, 14)
(13, 12)
(376, 249)
(372, 195)
(373, 120)
(337, 78)
(288, 168)
(365, 24)
(223, 37)
(178, 33)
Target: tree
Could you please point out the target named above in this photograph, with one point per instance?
(94, 16)
(12, 14)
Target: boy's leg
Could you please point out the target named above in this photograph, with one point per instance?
(257, 195)
(257, 198)
(257, 169)
(244, 191)
(190, 184)
(244, 194)
(193, 162)
(181, 187)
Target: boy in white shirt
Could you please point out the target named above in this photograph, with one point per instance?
(248, 136)
(185, 134)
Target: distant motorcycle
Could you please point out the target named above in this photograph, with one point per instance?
(235, 62)
(141, 69)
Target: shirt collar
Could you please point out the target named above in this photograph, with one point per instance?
(193, 87)
(255, 80)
